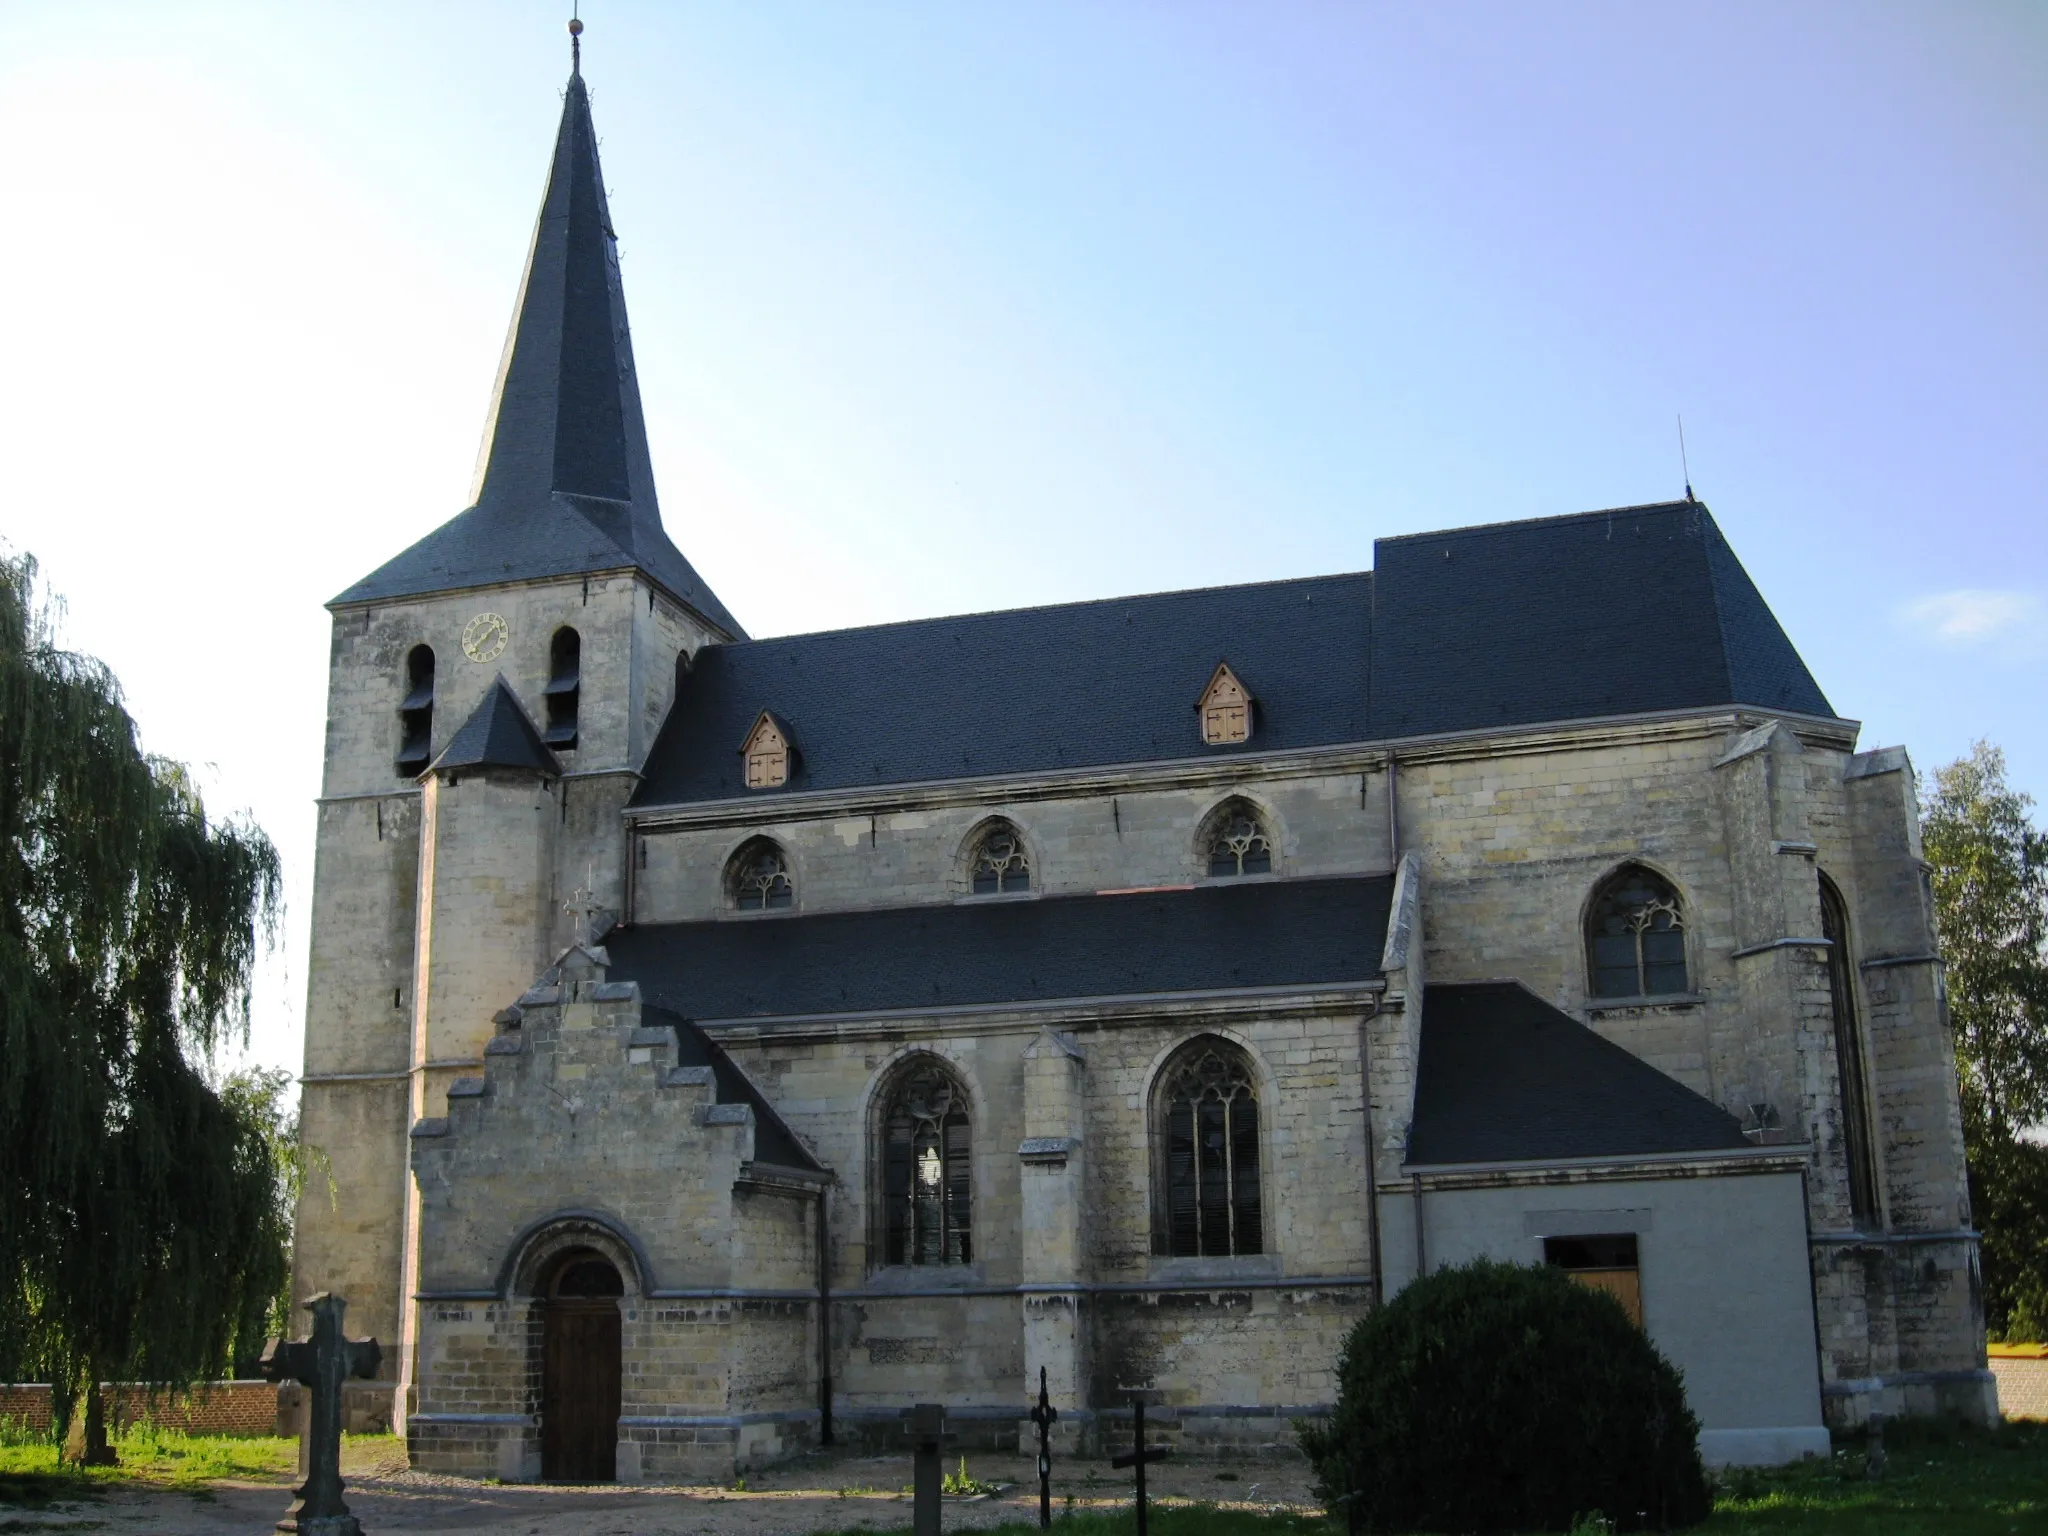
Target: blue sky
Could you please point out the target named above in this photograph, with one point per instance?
(951, 307)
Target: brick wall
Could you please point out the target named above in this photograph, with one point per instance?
(223, 1408)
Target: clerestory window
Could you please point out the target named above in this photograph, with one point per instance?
(759, 879)
(1237, 842)
(998, 864)
(1635, 937)
(927, 1169)
(1206, 1127)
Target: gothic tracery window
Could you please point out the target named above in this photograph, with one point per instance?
(1207, 1114)
(1238, 843)
(1635, 937)
(927, 1170)
(999, 865)
(760, 879)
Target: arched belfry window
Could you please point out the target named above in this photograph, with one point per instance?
(1635, 936)
(997, 862)
(927, 1168)
(565, 688)
(1236, 841)
(1206, 1129)
(1857, 1144)
(759, 880)
(416, 713)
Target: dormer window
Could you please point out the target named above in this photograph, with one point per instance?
(767, 752)
(565, 688)
(416, 713)
(1225, 708)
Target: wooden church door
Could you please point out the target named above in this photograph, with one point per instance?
(579, 1412)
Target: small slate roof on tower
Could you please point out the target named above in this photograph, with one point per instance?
(565, 486)
(497, 734)
(1640, 610)
(1258, 933)
(1506, 1078)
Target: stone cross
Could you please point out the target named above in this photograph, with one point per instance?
(320, 1364)
(926, 1426)
(1139, 1455)
(1044, 1416)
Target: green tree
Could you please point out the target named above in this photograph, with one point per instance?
(1990, 875)
(140, 1226)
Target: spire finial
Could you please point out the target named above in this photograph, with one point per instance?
(575, 42)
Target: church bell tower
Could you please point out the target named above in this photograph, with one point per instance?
(492, 693)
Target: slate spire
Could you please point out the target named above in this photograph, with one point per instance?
(564, 484)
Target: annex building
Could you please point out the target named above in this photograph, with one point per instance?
(721, 1044)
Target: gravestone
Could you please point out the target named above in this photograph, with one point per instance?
(1044, 1416)
(320, 1364)
(926, 1426)
(1139, 1454)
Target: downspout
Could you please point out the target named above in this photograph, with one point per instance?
(1393, 814)
(1421, 1257)
(824, 1320)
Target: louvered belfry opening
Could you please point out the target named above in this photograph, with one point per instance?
(416, 713)
(927, 1170)
(1209, 1126)
(565, 688)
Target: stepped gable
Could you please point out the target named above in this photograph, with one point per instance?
(1267, 933)
(1641, 610)
(565, 486)
(1506, 1078)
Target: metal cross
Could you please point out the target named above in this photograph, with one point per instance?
(585, 905)
(1044, 1416)
(320, 1364)
(1139, 1455)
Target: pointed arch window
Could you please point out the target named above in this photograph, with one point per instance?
(416, 713)
(759, 878)
(998, 863)
(1237, 842)
(927, 1169)
(565, 688)
(1635, 937)
(1858, 1147)
(1206, 1128)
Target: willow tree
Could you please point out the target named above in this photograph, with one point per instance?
(1989, 868)
(141, 1233)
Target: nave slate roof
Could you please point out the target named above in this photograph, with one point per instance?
(1635, 611)
(1506, 1078)
(1260, 933)
(566, 486)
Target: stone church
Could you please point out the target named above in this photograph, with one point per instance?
(718, 1045)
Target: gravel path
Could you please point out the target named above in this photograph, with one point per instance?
(816, 1494)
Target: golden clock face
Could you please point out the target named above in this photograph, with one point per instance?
(484, 637)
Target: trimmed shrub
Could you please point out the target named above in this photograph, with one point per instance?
(1501, 1397)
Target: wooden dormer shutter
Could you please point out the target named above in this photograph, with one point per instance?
(1225, 708)
(766, 753)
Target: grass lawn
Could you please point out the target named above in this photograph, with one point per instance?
(1938, 1481)
(33, 1475)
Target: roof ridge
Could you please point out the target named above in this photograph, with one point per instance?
(990, 614)
(1554, 519)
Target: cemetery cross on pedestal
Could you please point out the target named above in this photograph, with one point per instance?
(320, 1364)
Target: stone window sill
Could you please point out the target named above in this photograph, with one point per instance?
(928, 1277)
(1250, 1266)
(1598, 1006)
